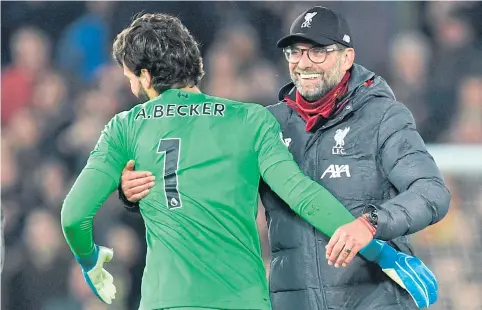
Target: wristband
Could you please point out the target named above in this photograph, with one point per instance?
(370, 227)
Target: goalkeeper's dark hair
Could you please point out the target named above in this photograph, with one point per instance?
(162, 45)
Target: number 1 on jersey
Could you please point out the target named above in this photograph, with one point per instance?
(171, 149)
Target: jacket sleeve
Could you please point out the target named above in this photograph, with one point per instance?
(423, 199)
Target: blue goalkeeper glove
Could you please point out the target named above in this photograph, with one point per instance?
(407, 271)
(100, 281)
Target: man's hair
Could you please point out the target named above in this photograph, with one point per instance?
(162, 45)
(340, 47)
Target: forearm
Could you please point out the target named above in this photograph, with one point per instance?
(316, 205)
(324, 212)
(424, 203)
(308, 199)
(89, 192)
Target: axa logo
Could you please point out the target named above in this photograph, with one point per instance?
(336, 171)
(339, 148)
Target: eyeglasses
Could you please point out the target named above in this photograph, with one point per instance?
(316, 54)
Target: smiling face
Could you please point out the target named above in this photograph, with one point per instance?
(314, 80)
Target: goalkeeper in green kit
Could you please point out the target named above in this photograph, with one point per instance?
(208, 155)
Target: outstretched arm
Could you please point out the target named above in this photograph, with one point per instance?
(306, 197)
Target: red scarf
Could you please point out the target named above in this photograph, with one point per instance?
(312, 111)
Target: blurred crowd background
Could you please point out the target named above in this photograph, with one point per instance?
(59, 87)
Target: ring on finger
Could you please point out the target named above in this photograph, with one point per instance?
(348, 251)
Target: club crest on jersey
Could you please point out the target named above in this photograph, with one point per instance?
(339, 148)
(174, 203)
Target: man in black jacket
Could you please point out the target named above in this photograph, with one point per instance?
(346, 130)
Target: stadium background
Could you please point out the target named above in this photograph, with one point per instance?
(60, 86)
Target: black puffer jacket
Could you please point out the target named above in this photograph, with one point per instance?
(369, 153)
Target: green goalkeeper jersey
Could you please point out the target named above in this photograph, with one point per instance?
(207, 155)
